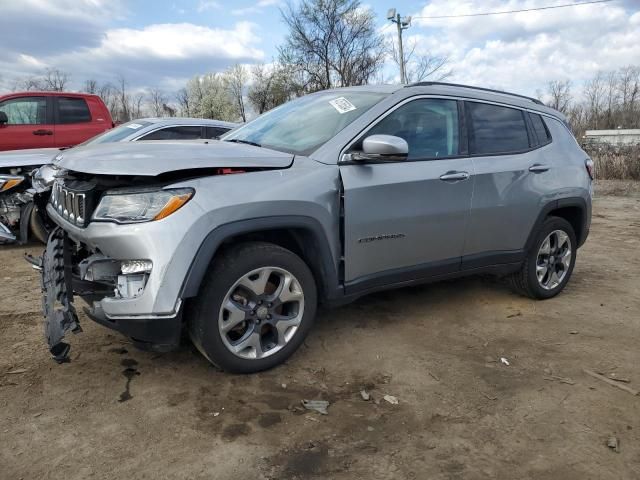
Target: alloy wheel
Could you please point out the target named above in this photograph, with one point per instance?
(261, 312)
(554, 259)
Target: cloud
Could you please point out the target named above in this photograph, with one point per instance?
(524, 51)
(79, 41)
(205, 5)
(257, 8)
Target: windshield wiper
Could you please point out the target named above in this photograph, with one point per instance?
(247, 142)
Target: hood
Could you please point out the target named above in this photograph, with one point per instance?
(158, 157)
(27, 158)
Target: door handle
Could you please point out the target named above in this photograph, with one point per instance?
(537, 168)
(454, 176)
(42, 132)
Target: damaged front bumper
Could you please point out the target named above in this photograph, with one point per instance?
(67, 271)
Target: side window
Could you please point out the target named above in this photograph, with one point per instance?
(25, 110)
(73, 110)
(175, 133)
(541, 130)
(429, 126)
(215, 132)
(496, 129)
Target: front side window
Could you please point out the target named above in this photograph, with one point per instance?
(73, 110)
(175, 133)
(495, 129)
(429, 126)
(25, 110)
(301, 126)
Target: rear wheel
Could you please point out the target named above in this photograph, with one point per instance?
(549, 263)
(255, 307)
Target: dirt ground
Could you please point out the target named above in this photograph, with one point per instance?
(462, 414)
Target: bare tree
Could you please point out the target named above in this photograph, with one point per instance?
(123, 99)
(157, 100)
(235, 79)
(594, 92)
(182, 97)
(136, 107)
(90, 86)
(560, 94)
(419, 67)
(55, 80)
(334, 43)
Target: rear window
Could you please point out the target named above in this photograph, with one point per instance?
(495, 129)
(541, 130)
(215, 132)
(185, 132)
(73, 110)
(119, 133)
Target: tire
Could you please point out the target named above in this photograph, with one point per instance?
(270, 300)
(526, 281)
(37, 226)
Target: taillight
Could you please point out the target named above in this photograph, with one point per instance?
(588, 163)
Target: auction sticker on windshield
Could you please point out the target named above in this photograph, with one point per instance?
(135, 126)
(342, 105)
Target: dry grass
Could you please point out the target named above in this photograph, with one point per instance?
(619, 163)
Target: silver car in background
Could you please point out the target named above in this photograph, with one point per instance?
(26, 173)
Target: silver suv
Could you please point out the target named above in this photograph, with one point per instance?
(327, 198)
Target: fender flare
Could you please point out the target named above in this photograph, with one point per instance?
(578, 202)
(212, 242)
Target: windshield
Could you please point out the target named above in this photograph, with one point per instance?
(118, 133)
(303, 125)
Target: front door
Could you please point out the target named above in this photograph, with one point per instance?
(28, 125)
(406, 220)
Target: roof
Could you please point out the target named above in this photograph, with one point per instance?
(187, 121)
(458, 90)
(34, 93)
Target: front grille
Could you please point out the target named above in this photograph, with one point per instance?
(69, 204)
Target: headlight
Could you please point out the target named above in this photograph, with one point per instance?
(44, 177)
(141, 206)
(7, 182)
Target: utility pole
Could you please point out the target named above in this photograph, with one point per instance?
(402, 24)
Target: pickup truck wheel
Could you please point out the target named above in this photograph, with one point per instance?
(255, 307)
(549, 263)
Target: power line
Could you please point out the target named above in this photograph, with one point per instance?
(484, 14)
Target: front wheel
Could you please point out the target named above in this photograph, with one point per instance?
(255, 307)
(549, 263)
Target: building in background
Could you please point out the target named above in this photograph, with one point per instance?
(618, 137)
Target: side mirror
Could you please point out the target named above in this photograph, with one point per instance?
(3, 118)
(382, 148)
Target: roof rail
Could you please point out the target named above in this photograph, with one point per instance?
(445, 84)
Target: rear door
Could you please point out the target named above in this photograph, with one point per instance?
(74, 123)
(407, 219)
(513, 175)
(30, 123)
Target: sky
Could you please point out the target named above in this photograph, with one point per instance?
(162, 43)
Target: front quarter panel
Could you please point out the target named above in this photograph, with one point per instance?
(307, 189)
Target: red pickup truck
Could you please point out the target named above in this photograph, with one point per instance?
(50, 119)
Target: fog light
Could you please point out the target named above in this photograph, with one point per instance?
(127, 267)
(131, 286)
